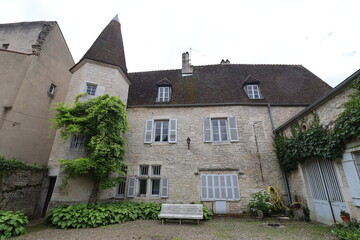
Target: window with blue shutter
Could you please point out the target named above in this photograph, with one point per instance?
(350, 163)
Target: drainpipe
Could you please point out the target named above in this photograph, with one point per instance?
(287, 188)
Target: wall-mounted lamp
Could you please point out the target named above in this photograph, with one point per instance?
(188, 140)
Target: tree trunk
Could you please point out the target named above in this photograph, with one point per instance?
(94, 193)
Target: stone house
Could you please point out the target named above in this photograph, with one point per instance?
(199, 133)
(327, 187)
(34, 64)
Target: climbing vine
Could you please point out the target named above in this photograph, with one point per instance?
(317, 141)
(101, 122)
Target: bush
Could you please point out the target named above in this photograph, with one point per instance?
(347, 231)
(12, 224)
(96, 215)
(260, 201)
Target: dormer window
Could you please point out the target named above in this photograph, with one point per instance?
(253, 91)
(163, 94)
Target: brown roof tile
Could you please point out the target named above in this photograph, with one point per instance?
(223, 84)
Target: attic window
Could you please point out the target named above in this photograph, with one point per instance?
(52, 89)
(253, 91)
(163, 94)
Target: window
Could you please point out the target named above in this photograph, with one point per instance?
(253, 91)
(144, 170)
(52, 89)
(163, 94)
(77, 142)
(157, 183)
(161, 131)
(219, 187)
(156, 170)
(121, 189)
(220, 130)
(91, 89)
(5, 46)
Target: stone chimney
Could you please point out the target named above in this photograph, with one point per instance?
(223, 62)
(186, 67)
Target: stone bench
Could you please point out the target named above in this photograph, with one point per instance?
(181, 211)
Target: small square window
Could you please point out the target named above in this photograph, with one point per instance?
(144, 170)
(253, 91)
(91, 89)
(52, 89)
(77, 141)
(156, 170)
(163, 94)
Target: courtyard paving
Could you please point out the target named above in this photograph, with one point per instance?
(213, 229)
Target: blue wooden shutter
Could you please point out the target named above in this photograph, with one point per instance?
(131, 187)
(207, 130)
(173, 131)
(236, 189)
(352, 177)
(164, 187)
(233, 130)
(148, 131)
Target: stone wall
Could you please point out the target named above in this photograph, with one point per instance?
(328, 112)
(20, 191)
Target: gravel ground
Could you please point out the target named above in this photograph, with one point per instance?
(214, 229)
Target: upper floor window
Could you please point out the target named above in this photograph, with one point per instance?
(253, 91)
(91, 89)
(161, 131)
(52, 89)
(220, 130)
(77, 141)
(163, 94)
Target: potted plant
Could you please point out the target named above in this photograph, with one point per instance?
(345, 216)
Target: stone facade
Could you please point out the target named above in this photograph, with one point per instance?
(328, 112)
(21, 190)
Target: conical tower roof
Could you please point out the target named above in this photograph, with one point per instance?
(108, 47)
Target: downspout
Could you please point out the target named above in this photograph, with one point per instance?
(287, 188)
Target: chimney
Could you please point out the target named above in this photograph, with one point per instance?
(187, 69)
(223, 62)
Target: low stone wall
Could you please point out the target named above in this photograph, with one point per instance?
(20, 191)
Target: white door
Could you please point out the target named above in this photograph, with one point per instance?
(325, 190)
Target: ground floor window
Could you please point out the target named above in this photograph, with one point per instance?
(219, 187)
(155, 187)
(142, 187)
(121, 188)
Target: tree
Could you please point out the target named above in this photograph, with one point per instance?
(102, 122)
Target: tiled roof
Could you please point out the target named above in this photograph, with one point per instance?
(223, 84)
(108, 47)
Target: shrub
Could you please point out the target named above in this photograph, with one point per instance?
(96, 215)
(208, 215)
(260, 201)
(347, 231)
(12, 224)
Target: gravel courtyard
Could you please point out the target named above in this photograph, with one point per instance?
(213, 229)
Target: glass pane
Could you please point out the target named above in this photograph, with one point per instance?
(143, 184)
(155, 187)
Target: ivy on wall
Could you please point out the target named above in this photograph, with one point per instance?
(317, 141)
(101, 121)
(12, 165)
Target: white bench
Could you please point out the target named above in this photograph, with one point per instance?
(181, 211)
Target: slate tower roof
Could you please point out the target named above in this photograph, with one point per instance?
(108, 47)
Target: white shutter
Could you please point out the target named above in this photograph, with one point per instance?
(173, 131)
(223, 194)
(148, 131)
(131, 187)
(100, 90)
(203, 187)
(210, 188)
(207, 130)
(164, 187)
(233, 130)
(352, 177)
(236, 187)
(216, 187)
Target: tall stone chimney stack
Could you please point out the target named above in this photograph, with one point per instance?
(186, 67)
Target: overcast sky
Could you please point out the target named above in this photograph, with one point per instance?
(322, 35)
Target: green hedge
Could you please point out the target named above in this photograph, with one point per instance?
(12, 224)
(96, 215)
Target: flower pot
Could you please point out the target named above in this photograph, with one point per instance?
(345, 218)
